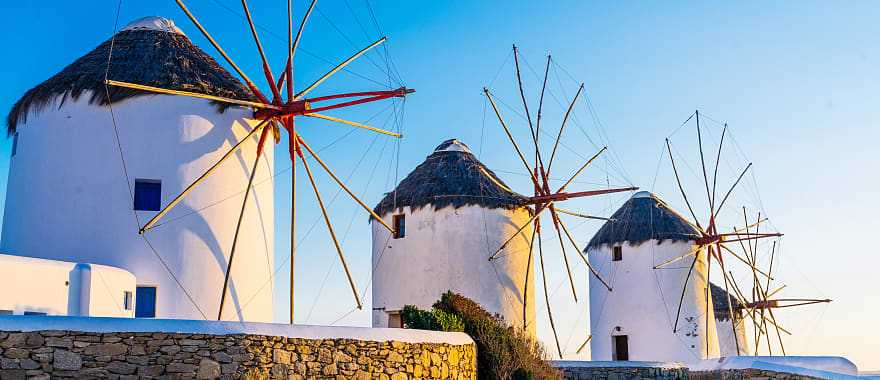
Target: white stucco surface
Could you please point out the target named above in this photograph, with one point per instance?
(68, 199)
(826, 367)
(63, 288)
(102, 325)
(448, 249)
(644, 302)
(727, 342)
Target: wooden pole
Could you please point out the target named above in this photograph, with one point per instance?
(679, 258)
(729, 301)
(353, 124)
(538, 211)
(683, 291)
(293, 148)
(555, 219)
(681, 188)
(584, 344)
(541, 107)
(522, 96)
(337, 68)
(546, 293)
(165, 91)
(717, 160)
(342, 184)
(562, 127)
(703, 164)
(583, 256)
(220, 50)
(244, 203)
(708, 294)
(329, 226)
(526, 285)
(201, 178)
(510, 136)
(266, 68)
(581, 169)
(717, 210)
(579, 215)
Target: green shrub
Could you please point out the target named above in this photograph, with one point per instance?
(503, 352)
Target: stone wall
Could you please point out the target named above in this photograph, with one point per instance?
(748, 373)
(623, 373)
(61, 353)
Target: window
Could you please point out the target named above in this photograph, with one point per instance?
(145, 302)
(399, 221)
(147, 194)
(616, 253)
(394, 320)
(126, 300)
(34, 313)
(5, 312)
(621, 347)
(14, 144)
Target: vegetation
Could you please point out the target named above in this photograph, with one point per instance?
(503, 352)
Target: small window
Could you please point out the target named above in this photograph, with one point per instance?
(126, 300)
(5, 312)
(399, 226)
(621, 347)
(145, 302)
(34, 313)
(394, 320)
(14, 144)
(147, 194)
(616, 253)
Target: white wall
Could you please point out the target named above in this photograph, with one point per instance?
(644, 302)
(63, 288)
(727, 342)
(448, 249)
(67, 199)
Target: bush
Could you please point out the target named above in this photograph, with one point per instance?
(503, 352)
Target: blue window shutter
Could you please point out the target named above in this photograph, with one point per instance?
(145, 302)
(147, 194)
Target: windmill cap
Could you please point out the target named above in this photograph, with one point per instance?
(153, 23)
(453, 145)
(643, 194)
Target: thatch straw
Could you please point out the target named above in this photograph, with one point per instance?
(719, 303)
(643, 218)
(449, 177)
(149, 57)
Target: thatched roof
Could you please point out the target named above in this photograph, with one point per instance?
(150, 51)
(450, 176)
(719, 303)
(644, 217)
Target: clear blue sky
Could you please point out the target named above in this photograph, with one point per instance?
(797, 83)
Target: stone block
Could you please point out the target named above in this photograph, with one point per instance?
(208, 369)
(66, 360)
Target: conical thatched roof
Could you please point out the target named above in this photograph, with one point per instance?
(644, 217)
(150, 51)
(450, 176)
(719, 303)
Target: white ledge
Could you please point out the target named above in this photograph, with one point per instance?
(143, 325)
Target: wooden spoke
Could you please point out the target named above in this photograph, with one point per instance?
(201, 178)
(579, 215)
(777, 290)
(526, 285)
(220, 50)
(522, 96)
(679, 258)
(584, 344)
(562, 127)
(221, 99)
(538, 212)
(510, 137)
(337, 68)
(681, 188)
(751, 225)
(683, 291)
(342, 184)
(581, 169)
(747, 262)
(717, 160)
(541, 107)
(583, 256)
(547, 295)
(729, 301)
(723, 200)
(705, 176)
(555, 219)
(293, 147)
(244, 203)
(329, 227)
(494, 180)
(353, 124)
(266, 68)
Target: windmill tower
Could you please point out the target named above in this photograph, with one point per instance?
(69, 198)
(449, 214)
(634, 322)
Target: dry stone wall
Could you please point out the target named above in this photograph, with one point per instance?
(748, 373)
(623, 373)
(59, 354)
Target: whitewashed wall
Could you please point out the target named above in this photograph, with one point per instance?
(67, 199)
(448, 249)
(727, 342)
(63, 288)
(644, 302)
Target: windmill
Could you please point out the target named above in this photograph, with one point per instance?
(544, 198)
(274, 115)
(715, 242)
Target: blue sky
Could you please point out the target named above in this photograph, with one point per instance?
(796, 83)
